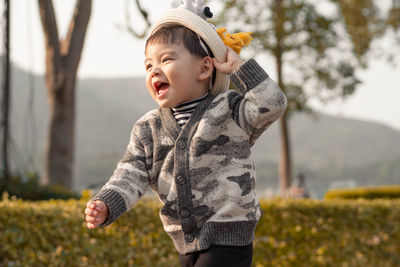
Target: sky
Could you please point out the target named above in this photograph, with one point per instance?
(110, 51)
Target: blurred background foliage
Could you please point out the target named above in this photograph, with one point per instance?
(27, 186)
(317, 46)
(371, 192)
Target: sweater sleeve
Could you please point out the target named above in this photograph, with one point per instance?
(262, 101)
(128, 182)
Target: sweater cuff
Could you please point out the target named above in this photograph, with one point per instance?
(248, 75)
(115, 204)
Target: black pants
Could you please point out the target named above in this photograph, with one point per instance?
(219, 256)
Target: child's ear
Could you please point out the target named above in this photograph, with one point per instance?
(206, 68)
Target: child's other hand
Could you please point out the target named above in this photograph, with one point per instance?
(96, 213)
(233, 62)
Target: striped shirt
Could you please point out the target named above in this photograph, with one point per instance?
(183, 111)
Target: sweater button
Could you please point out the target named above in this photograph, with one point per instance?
(189, 238)
(181, 180)
(182, 144)
(185, 212)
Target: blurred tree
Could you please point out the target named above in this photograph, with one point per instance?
(393, 19)
(62, 61)
(5, 99)
(128, 27)
(393, 23)
(316, 45)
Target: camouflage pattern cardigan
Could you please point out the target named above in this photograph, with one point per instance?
(203, 173)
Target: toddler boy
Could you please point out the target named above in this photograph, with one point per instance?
(194, 150)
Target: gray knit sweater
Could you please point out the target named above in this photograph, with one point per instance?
(203, 173)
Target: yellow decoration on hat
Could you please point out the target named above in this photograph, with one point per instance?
(236, 41)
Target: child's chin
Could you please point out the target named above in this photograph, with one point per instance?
(164, 104)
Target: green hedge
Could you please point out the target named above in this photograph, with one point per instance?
(371, 192)
(27, 187)
(329, 233)
(290, 233)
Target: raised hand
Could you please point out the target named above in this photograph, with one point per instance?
(233, 62)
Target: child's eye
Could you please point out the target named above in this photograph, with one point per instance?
(148, 66)
(165, 59)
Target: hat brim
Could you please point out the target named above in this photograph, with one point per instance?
(197, 24)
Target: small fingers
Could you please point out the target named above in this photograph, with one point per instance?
(91, 212)
(90, 207)
(90, 219)
(94, 221)
(88, 211)
(91, 226)
(216, 63)
(222, 67)
(96, 205)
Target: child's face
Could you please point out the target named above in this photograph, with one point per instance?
(173, 75)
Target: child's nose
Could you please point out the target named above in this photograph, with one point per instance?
(156, 71)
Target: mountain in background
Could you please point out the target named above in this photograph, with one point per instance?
(325, 148)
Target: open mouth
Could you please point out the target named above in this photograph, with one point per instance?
(161, 87)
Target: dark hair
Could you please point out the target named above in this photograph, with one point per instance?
(173, 34)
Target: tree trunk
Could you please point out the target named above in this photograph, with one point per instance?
(6, 97)
(285, 161)
(62, 61)
(60, 141)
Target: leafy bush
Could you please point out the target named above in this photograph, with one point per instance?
(290, 233)
(53, 233)
(328, 233)
(372, 192)
(28, 187)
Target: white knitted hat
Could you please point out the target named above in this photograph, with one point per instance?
(206, 31)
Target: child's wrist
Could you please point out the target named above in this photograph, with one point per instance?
(237, 64)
